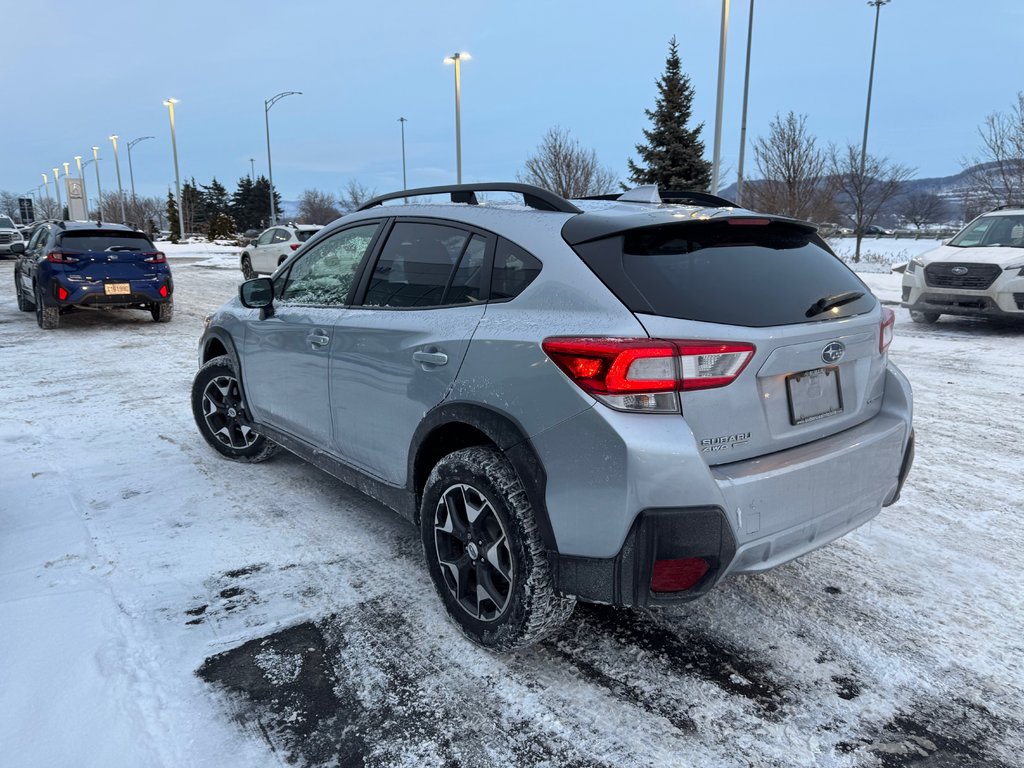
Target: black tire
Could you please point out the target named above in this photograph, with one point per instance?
(219, 411)
(24, 303)
(247, 271)
(928, 318)
(162, 312)
(500, 549)
(48, 318)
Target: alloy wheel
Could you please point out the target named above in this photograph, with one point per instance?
(473, 552)
(224, 413)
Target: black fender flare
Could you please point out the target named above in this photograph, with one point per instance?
(500, 429)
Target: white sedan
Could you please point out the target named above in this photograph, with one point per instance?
(267, 252)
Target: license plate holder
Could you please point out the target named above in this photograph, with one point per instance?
(117, 289)
(814, 395)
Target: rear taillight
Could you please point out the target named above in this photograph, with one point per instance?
(645, 374)
(885, 335)
(296, 246)
(677, 575)
(154, 257)
(59, 256)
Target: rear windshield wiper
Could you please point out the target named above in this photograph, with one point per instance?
(119, 248)
(830, 302)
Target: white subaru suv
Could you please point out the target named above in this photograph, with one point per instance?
(979, 272)
(9, 234)
(267, 252)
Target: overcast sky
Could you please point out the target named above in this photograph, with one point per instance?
(74, 73)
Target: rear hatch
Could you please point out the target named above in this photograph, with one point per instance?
(795, 332)
(104, 255)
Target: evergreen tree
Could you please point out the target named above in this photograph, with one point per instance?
(173, 222)
(215, 201)
(673, 157)
(242, 207)
(261, 194)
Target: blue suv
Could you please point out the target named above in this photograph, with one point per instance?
(69, 264)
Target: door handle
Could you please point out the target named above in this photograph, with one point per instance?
(318, 339)
(430, 358)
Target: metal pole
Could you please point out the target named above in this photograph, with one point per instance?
(871, 79)
(120, 191)
(252, 169)
(131, 173)
(270, 171)
(85, 194)
(743, 120)
(403, 121)
(177, 176)
(99, 189)
(717, 158)
(56, 188)
(458, 119)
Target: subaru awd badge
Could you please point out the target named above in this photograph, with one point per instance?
(833, 352)
(959, 270)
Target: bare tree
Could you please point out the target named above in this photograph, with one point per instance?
(862, 195)
(921, 208)
(9, 205)
(795, 179)
(354, 195)
(317, 207)
(561, 165)
(46, 208)
(996, 176)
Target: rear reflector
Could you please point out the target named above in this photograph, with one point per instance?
(163, 290)
(677, 575)
(888, 325)
(62, 292)
(296, 246)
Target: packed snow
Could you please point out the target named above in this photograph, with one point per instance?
(163, 607)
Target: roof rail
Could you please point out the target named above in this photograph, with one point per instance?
(652, 194)
(535, 197)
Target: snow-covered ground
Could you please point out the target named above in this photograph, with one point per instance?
(162, 607)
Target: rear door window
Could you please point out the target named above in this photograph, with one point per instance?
(416, 264)
(749, 275)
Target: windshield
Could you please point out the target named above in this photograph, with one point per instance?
(6, 223)
(992, 231)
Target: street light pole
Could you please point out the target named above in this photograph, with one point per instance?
(252, 169)
(99, 189)
(56, 188)
(871, 79)
(270, 172)
(403, 121)
(716, 163)
(117, 166)
(177, 176)
(131, 173)
(85, 194)
(743, 120)
(456, 59)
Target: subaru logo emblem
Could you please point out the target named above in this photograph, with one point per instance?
(959, 270)
(833, 352)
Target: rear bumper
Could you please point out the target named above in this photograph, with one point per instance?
(636, 497)
(143, 292)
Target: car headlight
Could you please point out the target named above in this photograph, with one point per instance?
(1020, 269)
(915, 262)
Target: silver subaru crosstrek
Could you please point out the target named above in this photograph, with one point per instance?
(622, 404)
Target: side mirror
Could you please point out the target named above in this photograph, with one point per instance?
(254, 242)
(257, 293)
(18, 247)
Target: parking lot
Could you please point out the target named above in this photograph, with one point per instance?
(162, 606)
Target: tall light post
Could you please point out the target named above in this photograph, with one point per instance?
(270, 172)
(85, 194)
(716, 162)
(252, 169)
(403, 121)
(117, 166)
(46, 185)
(131, 173)
(56, 188)
(456, 59)
(743, 118)
(99, 189)
(177, 177)
(871, 79)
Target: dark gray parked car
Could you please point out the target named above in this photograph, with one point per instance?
(622, 405)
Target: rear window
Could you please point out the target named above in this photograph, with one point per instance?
(753, 275)
(106, 241)
(305, 234)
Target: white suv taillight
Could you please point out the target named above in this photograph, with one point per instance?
(885, 334)
(646, 374)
